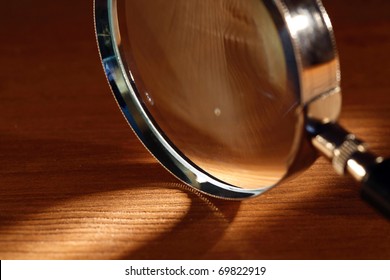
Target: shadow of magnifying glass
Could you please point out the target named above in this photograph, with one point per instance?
(47, 213)
(198, 231)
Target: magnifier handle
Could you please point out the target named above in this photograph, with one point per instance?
(350, 155)
(376, 186)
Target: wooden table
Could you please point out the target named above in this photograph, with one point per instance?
(75, 183)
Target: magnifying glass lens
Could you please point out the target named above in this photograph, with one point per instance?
(213, 76)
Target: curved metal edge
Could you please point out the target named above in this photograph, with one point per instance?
(125, 93)
(314, 48)
(314, 44)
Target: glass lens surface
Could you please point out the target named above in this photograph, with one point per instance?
(213, 76)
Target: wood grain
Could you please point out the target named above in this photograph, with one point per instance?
(75, 183)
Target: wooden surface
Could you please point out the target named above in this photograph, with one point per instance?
(76, 183)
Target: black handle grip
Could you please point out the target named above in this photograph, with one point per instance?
(376, 186)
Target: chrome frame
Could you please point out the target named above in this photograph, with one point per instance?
(309, 46)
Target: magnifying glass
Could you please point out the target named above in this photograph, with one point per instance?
(233, 96)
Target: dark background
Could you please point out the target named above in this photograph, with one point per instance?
(76, 183)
